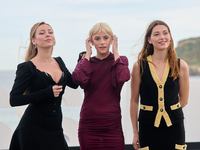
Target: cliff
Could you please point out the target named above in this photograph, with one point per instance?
(189, 50)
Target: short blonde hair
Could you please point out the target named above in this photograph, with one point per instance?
(101, 27)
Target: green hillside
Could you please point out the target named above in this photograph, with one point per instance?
(189, 50)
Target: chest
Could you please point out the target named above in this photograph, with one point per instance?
(42, 80)
(102, 72)
(151, 81)
(159, 69)
(53, 71)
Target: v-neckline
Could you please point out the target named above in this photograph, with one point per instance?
(153, 71)
(47, 74)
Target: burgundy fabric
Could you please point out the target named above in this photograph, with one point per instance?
(100, 117)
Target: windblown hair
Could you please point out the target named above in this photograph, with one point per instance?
(148, 49)
(101, 27)
(32, 49)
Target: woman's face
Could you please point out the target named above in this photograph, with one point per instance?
(101, 42)
(160, 37)
(44, 37)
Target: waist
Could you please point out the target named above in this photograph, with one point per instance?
(46, 109)
(100, 122)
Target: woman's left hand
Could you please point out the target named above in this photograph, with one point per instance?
(115, 47)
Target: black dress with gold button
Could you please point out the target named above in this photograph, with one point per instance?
(40, 128)
(160, 117)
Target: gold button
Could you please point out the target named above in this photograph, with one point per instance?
(54, 111)
(54, 103)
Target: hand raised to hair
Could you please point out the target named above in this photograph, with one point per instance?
(88, 48)
(115, 47)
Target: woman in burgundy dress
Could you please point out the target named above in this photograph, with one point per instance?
(102, 78)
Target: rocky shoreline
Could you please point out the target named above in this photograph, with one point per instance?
(194, 70)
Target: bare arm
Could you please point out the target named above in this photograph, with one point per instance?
(135, 85)
(183, 83)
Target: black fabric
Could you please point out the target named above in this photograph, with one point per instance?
(162, 138)
(149, 96)
(40, 127)
(80, 55)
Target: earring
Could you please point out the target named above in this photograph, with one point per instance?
(35, 46)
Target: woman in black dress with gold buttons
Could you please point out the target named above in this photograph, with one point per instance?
(40, 82)
(161, 80)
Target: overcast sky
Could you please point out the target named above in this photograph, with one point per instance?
(71, 21)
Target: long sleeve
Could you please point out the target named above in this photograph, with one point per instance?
(22, 81)
(120, 72)
(70, 83)
(82, 72)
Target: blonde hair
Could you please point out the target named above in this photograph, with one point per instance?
(32, 49)
(148, 49)
(101, 27)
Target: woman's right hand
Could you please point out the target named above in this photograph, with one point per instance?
(88, 48)
(56, 90)
(136, 142)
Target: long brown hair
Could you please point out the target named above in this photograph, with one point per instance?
(32, 49)
(148, 49)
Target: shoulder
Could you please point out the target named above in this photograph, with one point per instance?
(124, 59)
(135, 74)
(184, 71)
(59, 59)
(136, 66)
(25, 68)
(24, 65)
(61, 63)
(183, 65)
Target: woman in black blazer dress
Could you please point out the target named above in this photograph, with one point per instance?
(40, 82)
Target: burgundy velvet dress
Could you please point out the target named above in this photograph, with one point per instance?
(100, 117)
